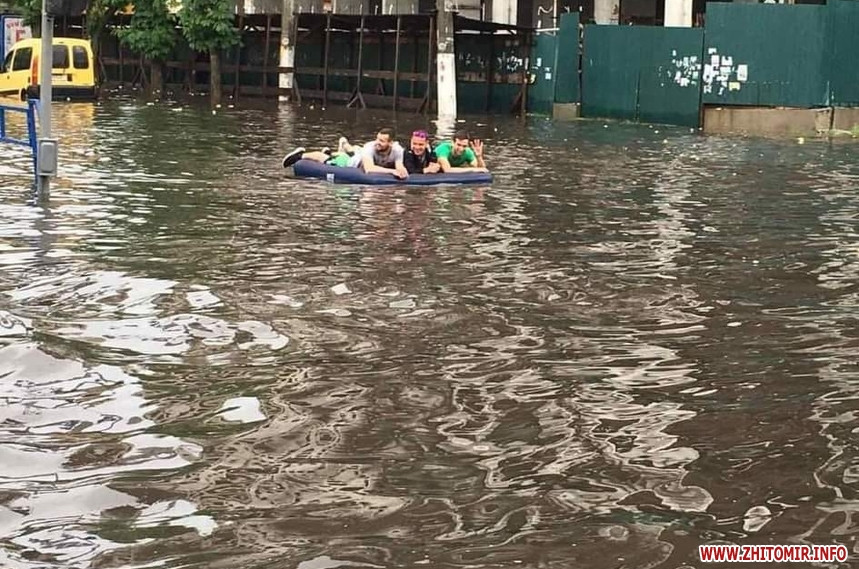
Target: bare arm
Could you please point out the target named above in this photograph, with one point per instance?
(400, 169)
(446, 167)
(371, 168)
(477, 147)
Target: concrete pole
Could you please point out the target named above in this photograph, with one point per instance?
(45, 94)
(287, 48)
(678, 13)
(607, 12)
(504, 11)
(445, 62)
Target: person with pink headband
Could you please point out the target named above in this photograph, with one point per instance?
(419, 157)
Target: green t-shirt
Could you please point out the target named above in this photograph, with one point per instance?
(445, 150)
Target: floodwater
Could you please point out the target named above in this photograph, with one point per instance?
(636, 341)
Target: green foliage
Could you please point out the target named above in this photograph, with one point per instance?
(152, 32)
(97, 14)
(208, 24)
(31, 10)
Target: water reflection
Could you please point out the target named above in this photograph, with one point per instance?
(630, 344)
(68, 431)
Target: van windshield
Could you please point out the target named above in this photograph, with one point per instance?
(23, 56)
(61, 57)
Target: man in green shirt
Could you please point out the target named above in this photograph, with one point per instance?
(460, 155)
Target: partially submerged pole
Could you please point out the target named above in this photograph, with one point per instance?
(397, 63)
(47, 155)
(526, 74)
(445, 63)
(490, 72)
(356, 94)
(236, 76)
(326, 57)
(264, 81)
(430, 56)
(288, 34)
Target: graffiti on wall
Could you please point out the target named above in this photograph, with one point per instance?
(722, 73)
(685, 70)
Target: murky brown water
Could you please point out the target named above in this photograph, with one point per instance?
(636, 341)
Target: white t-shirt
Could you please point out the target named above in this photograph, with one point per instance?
(387, 161)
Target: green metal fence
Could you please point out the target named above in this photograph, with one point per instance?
(749, 54)
(767, 55)
(488, 68)
(669, 88)
(541, 90)
(567, 88)
(843, 52)
(642, 73)
(610, 72)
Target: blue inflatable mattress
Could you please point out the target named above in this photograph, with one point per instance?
(339, 175)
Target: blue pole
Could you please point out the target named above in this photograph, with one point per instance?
(33, 137)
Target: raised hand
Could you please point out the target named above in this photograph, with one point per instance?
(477, 146)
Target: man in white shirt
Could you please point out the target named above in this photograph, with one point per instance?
(381, 156)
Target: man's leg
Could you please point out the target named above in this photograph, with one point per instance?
(343, 146)
(301, 154)
(316, 156)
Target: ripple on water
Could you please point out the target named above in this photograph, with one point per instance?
(599, 360)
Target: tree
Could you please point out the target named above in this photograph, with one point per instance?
(31, 10)
(98, 13)
(152, 33)
(208, 27)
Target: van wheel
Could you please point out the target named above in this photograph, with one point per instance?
(23, 94)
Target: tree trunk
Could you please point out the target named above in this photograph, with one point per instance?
(156, 85)
(96, 61)
(215, 77)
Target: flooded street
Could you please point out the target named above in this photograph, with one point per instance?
(634, 342)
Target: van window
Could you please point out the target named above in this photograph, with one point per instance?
(80, 59)
(7, 63)
(22, 58)
(61, 57)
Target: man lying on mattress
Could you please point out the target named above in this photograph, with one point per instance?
(381, 156)
(461, 154)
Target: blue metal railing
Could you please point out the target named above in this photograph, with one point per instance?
(30, 110)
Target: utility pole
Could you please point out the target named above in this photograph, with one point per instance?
(47, 157)
(287, 49)
(445, 62)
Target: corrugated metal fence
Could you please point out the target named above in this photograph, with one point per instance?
(805, 58)
(642, 73)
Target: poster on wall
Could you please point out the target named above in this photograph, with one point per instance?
(12, 30)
